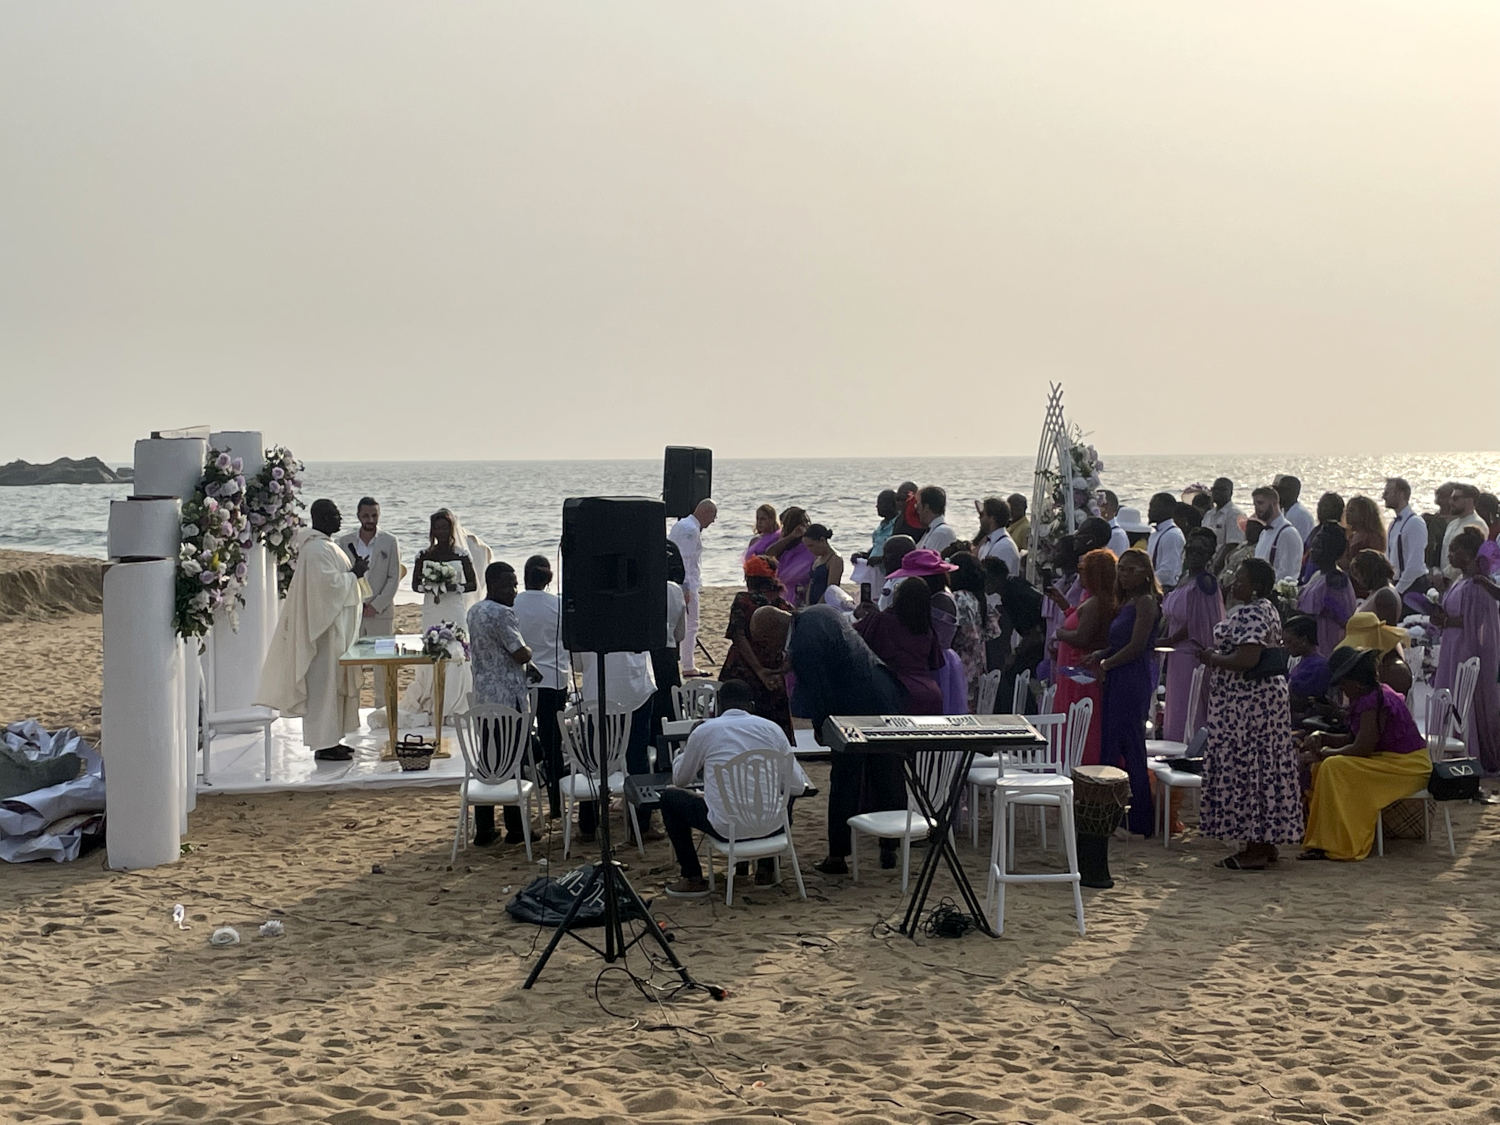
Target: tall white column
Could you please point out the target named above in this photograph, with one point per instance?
(142, 722)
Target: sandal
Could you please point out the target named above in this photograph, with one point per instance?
(1234, 863)
(1313, 853)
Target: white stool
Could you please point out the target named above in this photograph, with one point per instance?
(1168, 779)
(1040, 790)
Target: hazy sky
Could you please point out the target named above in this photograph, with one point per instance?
(491, 230)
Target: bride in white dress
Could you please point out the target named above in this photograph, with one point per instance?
(447, 541)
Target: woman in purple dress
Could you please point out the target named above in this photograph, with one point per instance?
(1251, 788)
(1189, 615)
(767, 531)
(904, 639)
(1126, 668)
(1470, 623)
(794, 559)
(1328, 596)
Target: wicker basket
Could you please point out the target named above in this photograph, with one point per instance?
(414, 753)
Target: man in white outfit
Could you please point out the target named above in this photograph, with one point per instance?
(1280, 544)
(1166, 543)
(687, 533)
(319, 621)
(1109, 509)
(380, 550)
(994, 540)
(1224, 519)
(1406, 541)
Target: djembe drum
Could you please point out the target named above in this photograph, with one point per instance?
(1101, 795)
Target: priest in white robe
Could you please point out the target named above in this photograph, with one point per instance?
(319, 621)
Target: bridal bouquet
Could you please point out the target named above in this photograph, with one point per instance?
(211, 563)
(440, 578)
(272, 500)
(1285, 593)
(445, 641)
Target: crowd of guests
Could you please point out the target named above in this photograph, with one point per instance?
(1292, 615)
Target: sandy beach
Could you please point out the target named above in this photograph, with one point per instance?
(1313, 992)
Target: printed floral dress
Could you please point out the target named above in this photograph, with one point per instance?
(1250, 781)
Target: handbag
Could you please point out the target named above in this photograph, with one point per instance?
(1455, 779)
(1272, 662)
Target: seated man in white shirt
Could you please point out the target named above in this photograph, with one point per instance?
(717, 740)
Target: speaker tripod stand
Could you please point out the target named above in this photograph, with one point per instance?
(617, 890)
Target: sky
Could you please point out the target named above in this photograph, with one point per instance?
(487, 230)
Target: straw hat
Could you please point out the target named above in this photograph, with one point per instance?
(1365, 630)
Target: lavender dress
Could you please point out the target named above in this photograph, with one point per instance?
(794, 568)
(1198, 605)
(1128, 689)
(1480, 636)
(1330, 599)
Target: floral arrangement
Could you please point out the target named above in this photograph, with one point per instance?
(272, 503)
(215, 532)
(439, 578)
(1074, 492)
(445, 641)
(1284, 597)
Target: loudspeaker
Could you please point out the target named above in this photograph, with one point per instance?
(614, 574)
(687, 477)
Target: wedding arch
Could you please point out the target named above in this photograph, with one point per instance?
(1064, 483)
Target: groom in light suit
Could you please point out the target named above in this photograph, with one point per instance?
(379, 548)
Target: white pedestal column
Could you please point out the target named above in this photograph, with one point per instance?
(169, 466)
(141, 724)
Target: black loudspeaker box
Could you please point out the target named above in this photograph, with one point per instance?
(687, 477)
(614, 574)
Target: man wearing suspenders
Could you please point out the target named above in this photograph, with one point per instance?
(1406, 539)
(1280, 544)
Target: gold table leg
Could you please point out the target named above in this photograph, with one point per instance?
(439, 690)
(391, 703)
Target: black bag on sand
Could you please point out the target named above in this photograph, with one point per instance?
(544, 901)
(1455, 779)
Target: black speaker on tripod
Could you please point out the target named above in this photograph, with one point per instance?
(687, 477)
(614, 574)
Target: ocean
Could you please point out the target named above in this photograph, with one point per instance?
(516, 506)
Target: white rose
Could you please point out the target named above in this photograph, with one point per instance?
(189, 530)
(200, 599)
(274, 539)
(209, 542)
(191, 567)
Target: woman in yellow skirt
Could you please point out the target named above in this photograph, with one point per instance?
(1382, 759)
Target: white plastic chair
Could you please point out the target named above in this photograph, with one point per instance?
(1067, 738)
(755, 789)
(1441, 715)
(1036, 788)
(495, 740)
(696, 699)
(1021, 693)
(936, 771)
(1167, 778)
(580, 746)
(1074, 736)
(989, 690)
(216, 722)
(1454, 743)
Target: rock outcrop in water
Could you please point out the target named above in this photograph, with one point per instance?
(64, 470)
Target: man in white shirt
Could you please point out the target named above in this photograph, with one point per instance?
(1461, 514)
(1109, 509)
(1166, 542)
(540, 616)
(1280, 544)
(1406, 538)
(1288, 488)
(932, 505)
(1224, 519)
(994, 540)
(713, 742)
(687, 533)
(383, 555)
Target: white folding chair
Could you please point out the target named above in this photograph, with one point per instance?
(1440, 718)
(494, 740)
(936, 770)
(580, 746)
(755, 789)
(1167, 779)
(989, 690)
(696, 699)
